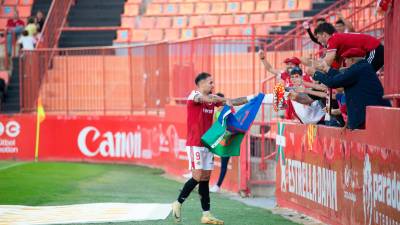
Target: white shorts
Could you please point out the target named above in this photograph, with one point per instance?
(200, 158)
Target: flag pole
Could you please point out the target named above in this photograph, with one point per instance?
(37, 137)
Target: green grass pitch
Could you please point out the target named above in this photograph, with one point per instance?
(74, 183)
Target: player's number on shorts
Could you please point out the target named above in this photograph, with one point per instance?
(197, 155)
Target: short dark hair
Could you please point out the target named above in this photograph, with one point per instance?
(25, 33)
(321, 20)
(220, 95)
(340, 21)
(325, 28)
(201, 76)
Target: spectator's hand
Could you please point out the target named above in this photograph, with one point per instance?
(261, 54)
(321, 65)
(306, 25)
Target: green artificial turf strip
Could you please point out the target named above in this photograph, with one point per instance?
(73, 183)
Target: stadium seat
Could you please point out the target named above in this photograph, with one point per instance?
(187, 33)
(134, 1)
(270, 17)
(170, 9)
(138, 35)
(159, 1)
(304, 5)
(283, 16)
(202, 7)
(147, 22)
(3, 22)
(128, 21)
(226, 19)
(201, 32)
(218, 7)
(154, 9)
(247, 6)
(26, 2)
(235, 31)
(219, 31)
(256, 18)
(211, 20)
(277, 5)
(262, 29)
(10, 2)
(122, 36)
(291, 5)
(163, 22)
(180, 22)
(233, 7)
(262, 6)
(198, 21)
(131, 9)
(186, 8)
(7, 11)
(172, 34)
(241, 19)
(24, 11)
(155, 35)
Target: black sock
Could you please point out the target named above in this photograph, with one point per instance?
(204, 193)
(187, 188)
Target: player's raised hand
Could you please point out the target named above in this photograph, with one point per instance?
(306, 25)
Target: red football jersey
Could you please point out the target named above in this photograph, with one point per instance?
(344, 41)
(199, 119)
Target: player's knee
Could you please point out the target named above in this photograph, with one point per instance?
(197, 175)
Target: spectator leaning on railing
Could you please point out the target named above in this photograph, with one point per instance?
(15, 26)
(360, 83)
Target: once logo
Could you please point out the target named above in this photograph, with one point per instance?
(118, 144)
(368, 200)
(12, 129)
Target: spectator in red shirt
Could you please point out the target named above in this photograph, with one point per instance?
(338, 43)
(14, 26)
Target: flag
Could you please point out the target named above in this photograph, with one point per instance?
(39, 119)
(226, 134)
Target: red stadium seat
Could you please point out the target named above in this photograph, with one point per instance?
(138, 35)
(291, 5)
(170, 9)
(256, 18)
(219, 31)
(233, 7)
(226, 19)
(277, 5)
(241, 19)
(186, 8)
(3, 22)
(147, 22)
(154, 9)
(10, 2)
(134, 1)
(122, 36)
(218, 7)
(198, 21)
(270, 17)
(202, 7)
(155, 35)
(163, 22)
(201, 32)
(187, 33)
(4, 76)
(235, 31)
(180, 22)
(262, 6)
(26, 2)
(172, 34)
(262, 29)
(211, 20)
(128, 21)
(7, 11)
(131, 9)
(304, 5)
(247, 6)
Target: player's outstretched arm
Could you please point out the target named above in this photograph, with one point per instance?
(210, 99)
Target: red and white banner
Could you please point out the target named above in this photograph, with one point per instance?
(337, 180)
(147, 140)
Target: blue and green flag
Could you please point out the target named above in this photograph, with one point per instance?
(226, 134)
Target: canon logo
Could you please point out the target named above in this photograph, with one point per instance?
(118, 144)
(12, 129)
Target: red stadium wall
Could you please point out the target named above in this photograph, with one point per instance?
(350, 178)
(145, 140)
